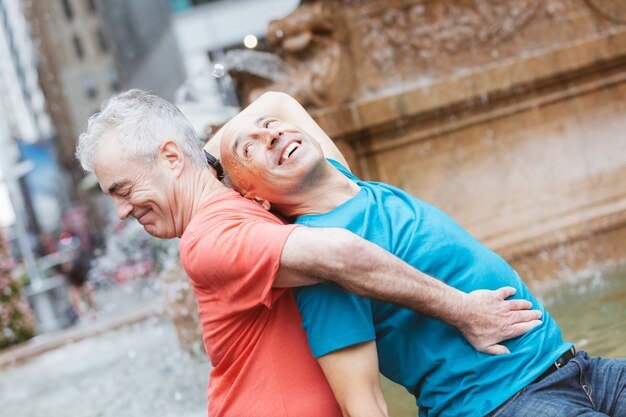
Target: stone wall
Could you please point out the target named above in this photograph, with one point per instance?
(508, 115)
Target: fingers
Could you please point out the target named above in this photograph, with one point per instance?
(519, 329)
(519, 304)
(506, 292)
(496, 350)
(525, 315)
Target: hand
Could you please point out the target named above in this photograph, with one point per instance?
(490, 319)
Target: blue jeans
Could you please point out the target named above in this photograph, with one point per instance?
(584, 387)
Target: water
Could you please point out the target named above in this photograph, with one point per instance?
(590, 312)
(263, 64)
(218, 71)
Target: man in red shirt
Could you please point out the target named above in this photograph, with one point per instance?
(240, 259)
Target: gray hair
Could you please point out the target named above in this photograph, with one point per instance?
(140, 122)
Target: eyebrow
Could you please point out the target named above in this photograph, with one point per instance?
(116, 186)
(240, 138)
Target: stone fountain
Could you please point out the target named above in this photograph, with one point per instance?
(507, 114)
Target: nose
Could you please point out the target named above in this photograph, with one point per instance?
(122, 208)
(271, 136)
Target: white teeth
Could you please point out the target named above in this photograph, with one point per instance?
(288, 150)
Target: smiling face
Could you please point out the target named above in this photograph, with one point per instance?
(145, 192)
(268, 158)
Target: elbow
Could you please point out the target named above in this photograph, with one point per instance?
(275, 96)
(283, 100)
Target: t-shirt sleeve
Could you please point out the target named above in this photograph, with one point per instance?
(333, 318)
(238, 259)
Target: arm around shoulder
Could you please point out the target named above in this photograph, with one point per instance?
(312, 254)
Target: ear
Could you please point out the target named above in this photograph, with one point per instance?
(264, 203)
(171, 155)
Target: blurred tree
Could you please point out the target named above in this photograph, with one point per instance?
(17, 322)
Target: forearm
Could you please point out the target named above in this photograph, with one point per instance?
(366, 269)
(484, 317)
(353, 375)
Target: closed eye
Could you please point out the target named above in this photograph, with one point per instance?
(246, 149)
(268, 123)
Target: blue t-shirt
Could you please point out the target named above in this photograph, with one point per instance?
(429, 357)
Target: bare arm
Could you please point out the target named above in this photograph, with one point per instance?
(484, 317)
(353, 376)
(287, 108)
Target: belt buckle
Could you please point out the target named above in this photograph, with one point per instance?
(559, 364)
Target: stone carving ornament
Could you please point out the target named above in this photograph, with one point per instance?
(327, 46)
(614, 10)
(312, 41)
(396, 35)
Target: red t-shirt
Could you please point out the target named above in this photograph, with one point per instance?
(262, 365)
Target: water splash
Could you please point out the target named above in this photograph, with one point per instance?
(218, 70)
(262, 64)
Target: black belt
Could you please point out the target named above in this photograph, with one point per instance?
(561, 362)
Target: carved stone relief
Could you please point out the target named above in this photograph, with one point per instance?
(312, 42)
(338, 50)
(405, 38)
(431, 28)
(614, 10)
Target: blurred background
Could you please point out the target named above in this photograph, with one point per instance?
(506, 114)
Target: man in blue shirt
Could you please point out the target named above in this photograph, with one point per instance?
(284, 168)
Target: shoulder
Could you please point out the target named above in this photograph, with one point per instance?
(229, 237)
(221, 213)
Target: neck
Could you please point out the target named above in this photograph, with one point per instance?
(321, 192)
(198, 186)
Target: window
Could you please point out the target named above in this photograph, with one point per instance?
(67, 9)
(89, 83)
(114, 83)
(78, 47)
(92, 6)
(102, 41)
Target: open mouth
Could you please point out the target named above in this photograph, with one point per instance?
(288, 152)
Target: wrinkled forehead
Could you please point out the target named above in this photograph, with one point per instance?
(240, 125)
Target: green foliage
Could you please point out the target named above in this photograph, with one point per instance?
(17, 322)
